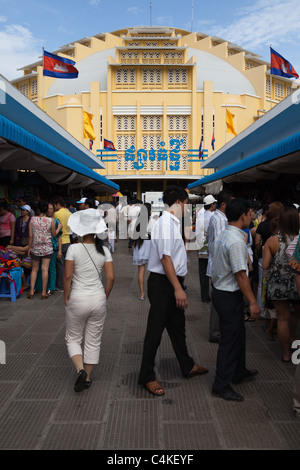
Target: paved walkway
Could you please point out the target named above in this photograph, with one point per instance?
(39, 409)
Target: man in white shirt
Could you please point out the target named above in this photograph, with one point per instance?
(168, 266)
(133, 213)
(202, 222)
(123, 220)
(217, 223)
(230, 283)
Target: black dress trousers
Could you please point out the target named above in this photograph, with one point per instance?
(231, 355)
(163, 314)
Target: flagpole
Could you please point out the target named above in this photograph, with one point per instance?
(43, 89)
(271, 81)
(225, 122)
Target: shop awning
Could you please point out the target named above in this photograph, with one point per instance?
(267, 164)
(21, 150)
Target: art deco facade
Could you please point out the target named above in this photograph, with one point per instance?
(156, 93)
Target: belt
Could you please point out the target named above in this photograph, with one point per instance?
(180, 278)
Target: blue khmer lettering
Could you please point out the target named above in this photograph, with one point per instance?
(161, 155)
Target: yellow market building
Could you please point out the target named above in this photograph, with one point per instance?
(156, 93)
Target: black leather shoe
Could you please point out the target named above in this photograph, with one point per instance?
(230, 395)
(248, 376)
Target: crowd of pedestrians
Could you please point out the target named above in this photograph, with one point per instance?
(248, 260)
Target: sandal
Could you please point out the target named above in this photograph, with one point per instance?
(81, 379)
(87, 383)
(155, 388)
(248, 318)
(30, 296)
(197, 370)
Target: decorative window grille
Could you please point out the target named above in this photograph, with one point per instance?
(289, 90)
(151, 123)
(202, 122)
(125, 76)
(249, 65)
(150, 76)
(268, 86)
(34, 87)
(126, 138)
(126, 123)
(176, 76)
(125, 141)
(130, 57)
(23, 88)
(101, 125)
(177, 123)
(279, 89)
(183, 137)
(151, 141)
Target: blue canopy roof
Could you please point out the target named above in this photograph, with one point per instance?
(19, 149)
(282, 157)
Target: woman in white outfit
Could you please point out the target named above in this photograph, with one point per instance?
(85, 296)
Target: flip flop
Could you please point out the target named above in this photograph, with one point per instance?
(141, 298)
(154, 387)
(197, 370)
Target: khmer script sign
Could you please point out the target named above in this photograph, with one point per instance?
(140, 157)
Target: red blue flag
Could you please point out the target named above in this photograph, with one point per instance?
(200, 149)
(281, 66)
(91, 144)
(213, 142)
(58, 67)
(108, 145)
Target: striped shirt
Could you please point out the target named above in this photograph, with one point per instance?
(229, 256)
(217, 223)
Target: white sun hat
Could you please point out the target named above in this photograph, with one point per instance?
(87, 221)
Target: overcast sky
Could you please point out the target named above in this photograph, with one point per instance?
(28, 25)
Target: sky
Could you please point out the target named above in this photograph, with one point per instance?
(26, 26)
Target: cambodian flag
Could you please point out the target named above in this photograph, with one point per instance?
(108, 145)
(58, 67)
(213, 142)
(200, 149)
(281, 66)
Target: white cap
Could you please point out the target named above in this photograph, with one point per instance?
(209, 199)
(97, 202)
(26, 208)
(296, 205)
(83, 199)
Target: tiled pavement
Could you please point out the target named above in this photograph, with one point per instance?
(40, 411)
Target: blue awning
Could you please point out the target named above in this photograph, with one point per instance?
(21, 150)
(282, 157)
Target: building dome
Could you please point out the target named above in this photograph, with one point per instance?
(224, 76)
(93, 68)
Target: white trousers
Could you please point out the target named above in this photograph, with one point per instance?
(85, 317)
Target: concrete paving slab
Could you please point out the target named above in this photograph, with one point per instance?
(40, 410)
